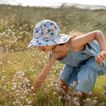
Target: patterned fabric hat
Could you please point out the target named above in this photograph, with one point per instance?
(47, 33)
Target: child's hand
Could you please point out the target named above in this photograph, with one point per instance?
(32, 90)
(100, 57)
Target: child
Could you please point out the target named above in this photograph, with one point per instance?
(83, 56)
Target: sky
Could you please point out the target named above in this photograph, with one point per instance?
(48, 3)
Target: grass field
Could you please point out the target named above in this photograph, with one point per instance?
(18, 70)
(19, 66)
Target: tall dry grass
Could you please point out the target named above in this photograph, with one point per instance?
(19, 66)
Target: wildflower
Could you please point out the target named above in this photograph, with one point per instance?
(94, 102)
(20, 89)
(88, 100)
(60, 97)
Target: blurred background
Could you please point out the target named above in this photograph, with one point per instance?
(18, 17)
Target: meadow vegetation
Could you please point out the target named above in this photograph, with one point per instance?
(19, 65)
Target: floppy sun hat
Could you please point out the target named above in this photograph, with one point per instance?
(46, 33)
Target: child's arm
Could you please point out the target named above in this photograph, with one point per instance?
(79, 41)
(42, 76)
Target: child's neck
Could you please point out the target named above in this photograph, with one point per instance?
(61, 49)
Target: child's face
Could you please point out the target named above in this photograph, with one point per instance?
(44, 48)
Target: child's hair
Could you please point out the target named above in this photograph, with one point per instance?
(75, 33)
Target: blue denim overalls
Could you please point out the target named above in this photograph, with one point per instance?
(80, 66)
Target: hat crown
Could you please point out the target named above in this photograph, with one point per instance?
(46, 33)
(46, 29)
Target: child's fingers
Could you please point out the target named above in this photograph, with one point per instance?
(99, 59)
(102, 56)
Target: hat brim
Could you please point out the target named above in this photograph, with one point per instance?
(63, 38)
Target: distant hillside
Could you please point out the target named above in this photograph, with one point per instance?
(17, 21)
(70, 18)
(84, 6)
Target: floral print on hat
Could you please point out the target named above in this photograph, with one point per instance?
(46, 33)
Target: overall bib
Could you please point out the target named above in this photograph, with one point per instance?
(81, 67)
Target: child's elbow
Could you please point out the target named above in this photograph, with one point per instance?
(99, 32)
